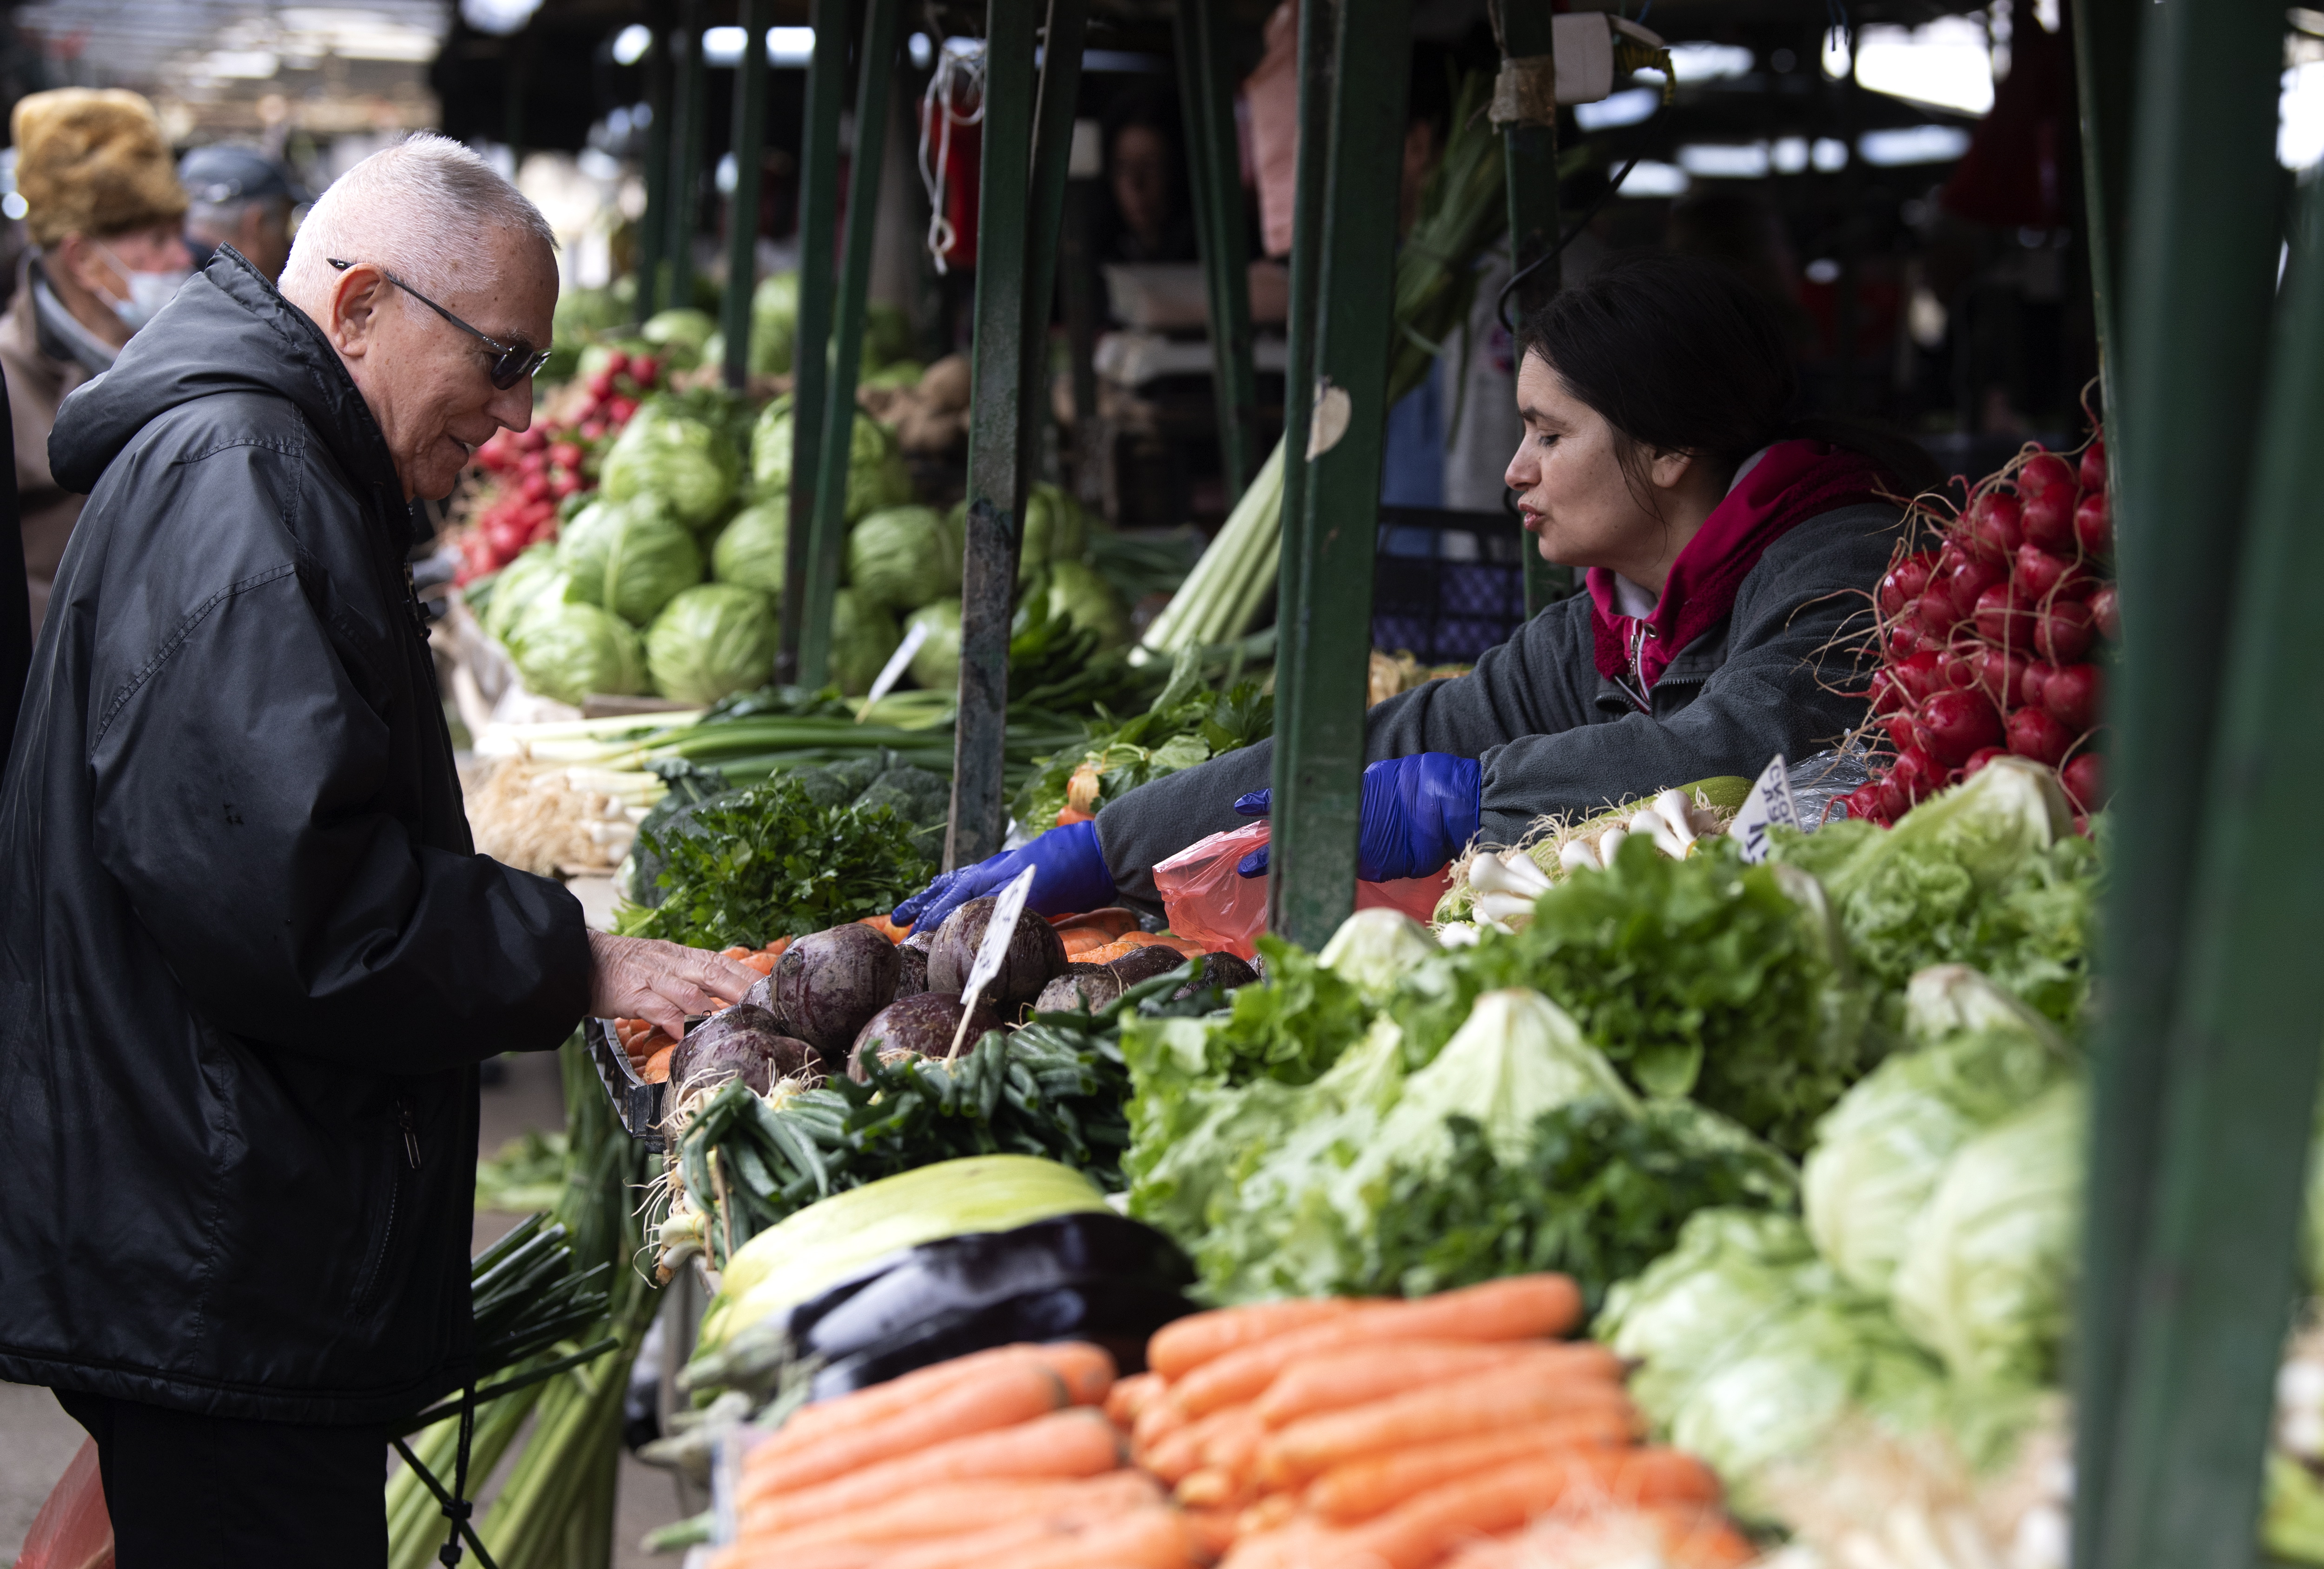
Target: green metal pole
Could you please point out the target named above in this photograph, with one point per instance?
(1319, 761)
(827, 529)
(1529, 159)
(826, 91)
(1214, 160)
(742, 209)
(653, 223)
(686, 154)
(1316, 20)
(1068, 30)
(996, 476)
(2222, 1253)
(2106, 70)
(2199, 257)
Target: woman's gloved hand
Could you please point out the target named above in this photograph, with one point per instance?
(1418, 811)
(1069, 876)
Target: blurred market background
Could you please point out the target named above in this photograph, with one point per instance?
(1900, 176)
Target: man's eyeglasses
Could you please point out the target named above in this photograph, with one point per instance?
(512, 362)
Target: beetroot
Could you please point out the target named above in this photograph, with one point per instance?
(2034, 734)
(1037, 956)
(1089, 986)
(1145, 963)
(2085, 781)
(2072, 697)
(1222, 971)
(744, 1042)
(1955, 724)
(827, 987)
(923, 1025)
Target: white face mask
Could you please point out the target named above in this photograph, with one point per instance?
(148, 291)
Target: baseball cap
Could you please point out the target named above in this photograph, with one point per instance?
(221, 174)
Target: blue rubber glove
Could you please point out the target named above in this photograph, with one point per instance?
(1417, 813)
(1069, 876)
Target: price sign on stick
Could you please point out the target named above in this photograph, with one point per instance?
(1769, 805)
(993, 950)
(893, 670)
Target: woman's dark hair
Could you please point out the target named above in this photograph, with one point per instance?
(1681, 354)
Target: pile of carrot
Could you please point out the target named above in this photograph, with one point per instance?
(648, 1048)
(1001, 1460)
(1348, 1435)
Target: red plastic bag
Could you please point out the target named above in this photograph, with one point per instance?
(1205, 899)
(72, 1530)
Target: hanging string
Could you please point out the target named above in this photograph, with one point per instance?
(1501, 302)
(960, 68)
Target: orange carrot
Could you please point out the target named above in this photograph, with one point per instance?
(735, 953)
(1002, 1396)
(1680, 1538)
(1215, 1487)
(1271, 1512)
(1179, 1347)
(1081, 941)
(1112, 920)
(1214, 1529)
(1132, 1395)
(1182, 1451)
(954, 1508)
(1420, 1531)
(886, 928)
(1333, 1380)
(1520, 1308)
(1156, 1539)
(1082, 1368)
(763, 961)
(1480, 1403)
(1357, 1490)
(777, 946)
(657, 1068)
(1159, 1419)
(1062, 1445)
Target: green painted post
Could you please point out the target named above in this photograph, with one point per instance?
(653, 223)
(2199, 252)
(1214, 160)
(2106, 62)
(1529, 158)
(1316, 20)
(996, 477)
(1319, 760)
(827, 91)
(1063, 38)
(742, 209)
(686, 154)
(827, 529)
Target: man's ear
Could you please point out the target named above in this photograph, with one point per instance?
(357, 297)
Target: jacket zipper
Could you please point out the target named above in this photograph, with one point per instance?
(1637, 669)
(411, 1135)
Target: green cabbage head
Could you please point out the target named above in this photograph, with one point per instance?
(937, 666)
(750, 550)
(682, 333)
(711, 640)
(536, 576)
(904, 557)
(1055, 529)
(567, 651)
(682, 463)
(1078, 594)
(631, 557)
(876, 475)
(774, 324)
(863, 635)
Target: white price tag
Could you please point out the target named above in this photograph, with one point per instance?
(991, 951)
(1769, 805)
(893, 670)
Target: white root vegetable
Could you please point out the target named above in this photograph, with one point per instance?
(1491, 874)
(1610, 844)
(1577, 854)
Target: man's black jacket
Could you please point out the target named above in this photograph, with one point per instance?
(248, 956)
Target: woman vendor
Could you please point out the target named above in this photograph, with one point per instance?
(1730, 554)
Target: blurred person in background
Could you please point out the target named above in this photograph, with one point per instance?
(103, 208)
(1146, 172)
(240, 197)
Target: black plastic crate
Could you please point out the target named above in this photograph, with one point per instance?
(1447, 586)
(636, 1102)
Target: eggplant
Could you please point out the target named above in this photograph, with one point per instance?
(827, 987)
(1089, 986)
(744, 1042)
(922, 1024)
(1145, 963)
(1118, 1315)
(1036, 956)
(978, 1269)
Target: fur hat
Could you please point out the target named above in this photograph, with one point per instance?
(94, 162)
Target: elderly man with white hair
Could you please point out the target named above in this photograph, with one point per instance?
(249, 958)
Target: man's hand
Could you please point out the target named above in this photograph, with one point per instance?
(663, 982)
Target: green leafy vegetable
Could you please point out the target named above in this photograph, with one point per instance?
(751, 550)
(903, 557)
(1989, 874)
(862, 637)
(537, 577)
(774, 324)
(631, 557)
(937, 666)
(711, 641)
(768, 862)
(876, 476)
(1079, 597)
(687, 464)
(1186, 724)
(1600, 1193)
(567, 651)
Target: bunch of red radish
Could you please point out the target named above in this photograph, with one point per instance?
(533, 470)
(1985, 642)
